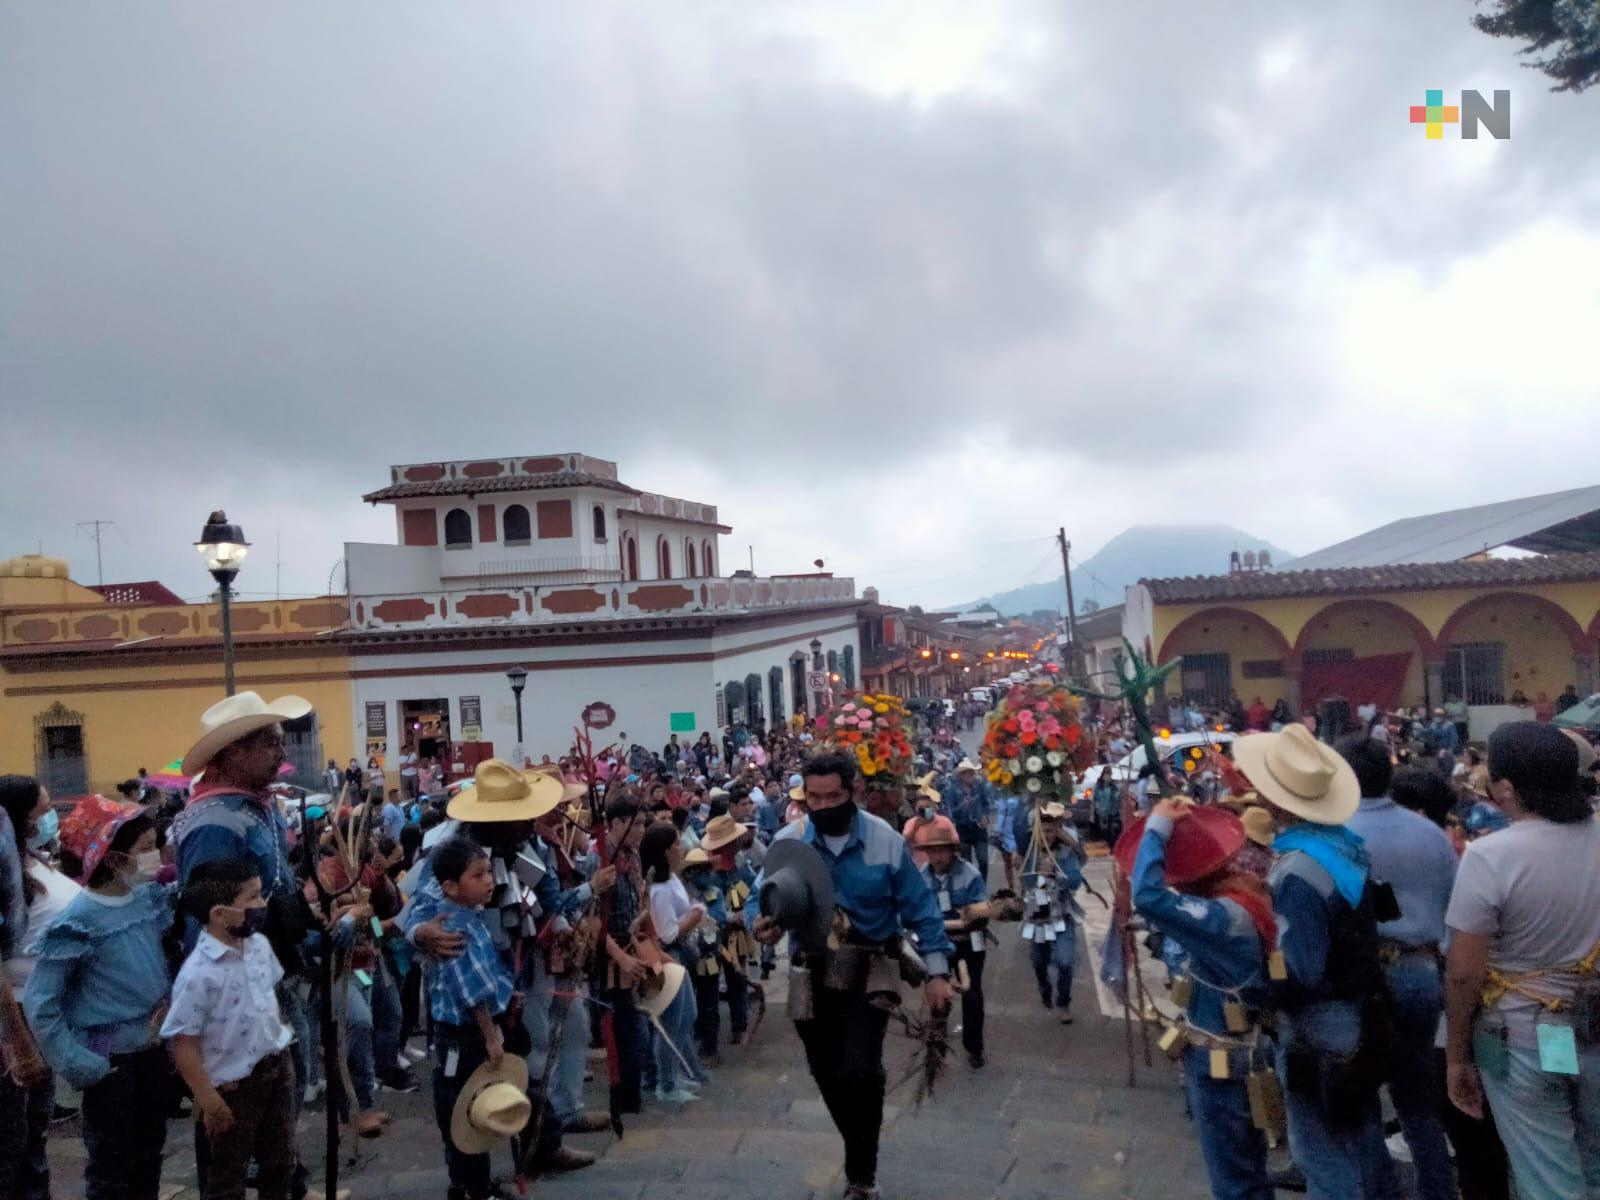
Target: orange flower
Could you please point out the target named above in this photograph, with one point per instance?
(1029, 737)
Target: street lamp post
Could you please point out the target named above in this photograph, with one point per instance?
(816, 665)
(224, 548)
(518, 677)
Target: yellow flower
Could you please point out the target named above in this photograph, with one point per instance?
(869, 768)
(1006, 777)
(880, 708)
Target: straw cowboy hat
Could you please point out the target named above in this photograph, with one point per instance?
(1054, 811)
(500, 792)
(697, 858)
(797, 891)
(721, 830)
(1259, 826)
(966, 764)
(654, 994)
(1300, 775)
(1200, 845)
(236, 717)
(935, 834)
(493, 1106)
(797, 787)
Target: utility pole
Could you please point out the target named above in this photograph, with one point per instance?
(1075, 663)
(95, 525)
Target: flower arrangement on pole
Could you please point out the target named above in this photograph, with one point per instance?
(1034, 742)
(875, 727)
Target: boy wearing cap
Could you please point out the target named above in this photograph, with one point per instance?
(963, 900)
(1061, 951)
(1522, 1000)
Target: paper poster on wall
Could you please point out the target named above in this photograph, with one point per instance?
(681, 723)
(471, 718)
(377, 719)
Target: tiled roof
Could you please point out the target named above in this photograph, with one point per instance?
(511, 483)
(148, 591)
(1401, 577)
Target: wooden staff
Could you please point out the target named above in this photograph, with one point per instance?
(18, 1050)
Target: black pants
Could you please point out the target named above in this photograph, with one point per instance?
(125, 1128)
(470, 1172)
(24, 1122)
(844, 1049)
(708, 1014)
(972, 1000)
(633, 1047)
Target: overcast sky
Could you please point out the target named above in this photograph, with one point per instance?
(900, 285)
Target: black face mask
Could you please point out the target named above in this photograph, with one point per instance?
(831, 822)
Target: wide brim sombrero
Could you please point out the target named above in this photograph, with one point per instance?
(468, 1137)
(500, 792)
(236, 717)
(1201, 844)
(1300, 775)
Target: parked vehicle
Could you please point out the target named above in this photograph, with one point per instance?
(1126, 769)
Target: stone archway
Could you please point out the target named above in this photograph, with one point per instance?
(1367, 650)
(1504, 642)
(1228, 651)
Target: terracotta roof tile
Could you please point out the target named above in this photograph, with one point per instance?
(1398, 577)
(509, 483)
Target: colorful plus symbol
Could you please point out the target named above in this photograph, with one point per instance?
(1435, 114)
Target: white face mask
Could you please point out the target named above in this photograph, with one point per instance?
(146, 866)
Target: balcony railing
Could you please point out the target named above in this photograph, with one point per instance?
(545, 604)
(520, 572)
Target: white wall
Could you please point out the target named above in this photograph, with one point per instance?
(645, 693)
(1138, 618)
(649, 529)
(747, 653)
(377, 570)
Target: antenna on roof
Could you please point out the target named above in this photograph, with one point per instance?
(95, 526)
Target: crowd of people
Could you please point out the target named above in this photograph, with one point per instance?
(1336, 921)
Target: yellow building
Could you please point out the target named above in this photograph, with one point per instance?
(1491, 631)
(98, 682)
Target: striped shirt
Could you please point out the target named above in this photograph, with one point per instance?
(456, 986)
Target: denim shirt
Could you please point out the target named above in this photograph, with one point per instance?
(1005, 822)
(965, 806)
(959, 887)
(235, 825)
(879, 887)
(99, 978)
(1222, 947)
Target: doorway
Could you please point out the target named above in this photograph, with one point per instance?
(426, 729)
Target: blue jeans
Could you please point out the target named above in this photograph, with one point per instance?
(1061, 953)
(1341, 1160)
(678, 1023)
(357, 1045)
(538, 1013)
(1417, 995)
(1549, 1123)
(1234, 1149)
(384, 998)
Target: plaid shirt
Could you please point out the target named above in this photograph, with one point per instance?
(625, 898)
(456, 986)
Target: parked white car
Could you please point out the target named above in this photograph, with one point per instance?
(1126, 769)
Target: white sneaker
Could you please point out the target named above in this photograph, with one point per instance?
(1399, 1149)
(313, 1090)
(403, 1063)
(413, 1054)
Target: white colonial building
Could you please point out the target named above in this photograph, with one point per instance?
(600, 592)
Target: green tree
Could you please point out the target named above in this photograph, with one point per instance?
(1564, 33)
(1089, 605)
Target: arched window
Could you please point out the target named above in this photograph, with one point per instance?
(688, 557)
(663, 559)
(631, 565)
(752, 699)
(849, 668)
(599, 523)
(518, 526)
(457, 528)
(833, 662)
(775, 695)
(708, 564)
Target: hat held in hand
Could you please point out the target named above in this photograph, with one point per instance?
(493, 1106)
(797, 892)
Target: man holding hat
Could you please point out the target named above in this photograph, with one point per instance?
(844, 869)
(1522, 998)
(729, 885)
(1328, 982)
(964, 901)
(1182, 867)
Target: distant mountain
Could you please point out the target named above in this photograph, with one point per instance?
(1142, 552)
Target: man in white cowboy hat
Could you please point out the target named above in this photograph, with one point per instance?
(501, 812)
(729, 884)
(969, 800)
(232, 817)
(1328, 972)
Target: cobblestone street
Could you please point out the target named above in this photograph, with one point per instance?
(1050, 1115)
